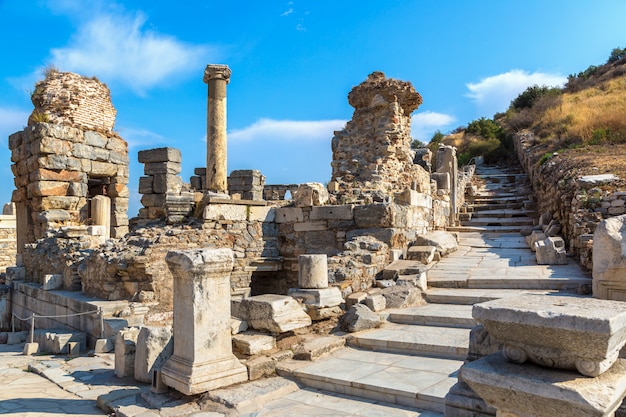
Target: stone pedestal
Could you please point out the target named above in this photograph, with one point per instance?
(203, 359)
(313, 271)
(217, 77)
(564, 332)
(530, 390)
(101, 213)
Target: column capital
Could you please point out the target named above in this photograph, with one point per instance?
(217, 71)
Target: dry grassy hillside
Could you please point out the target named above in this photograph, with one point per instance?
(584, 124)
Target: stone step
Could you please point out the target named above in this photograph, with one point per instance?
(504, 213)
(472, 296)
(499, 221)
(316, 402)
(442, 315)
(520, 283)
(496, 206)
(485, 229)
(434, 341)
(412, 381)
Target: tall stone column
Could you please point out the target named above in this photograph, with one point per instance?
(203, 359)
(216, 76)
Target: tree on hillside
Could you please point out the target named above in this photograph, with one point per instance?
(533, 93)
(616, 55)
(486, 128)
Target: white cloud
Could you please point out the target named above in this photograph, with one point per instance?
(287, 12)
(12, 120)
(494, 94)
(118, 48)
(287, 130)
(141, 137)
(425, 124)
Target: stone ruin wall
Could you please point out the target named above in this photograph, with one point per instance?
(372, 156)
(68, 154)
(68, 99)
(578, 206)
(266, 240)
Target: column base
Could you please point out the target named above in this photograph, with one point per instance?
(195, 378)
(213, 195)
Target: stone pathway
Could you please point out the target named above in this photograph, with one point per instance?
(403, 369)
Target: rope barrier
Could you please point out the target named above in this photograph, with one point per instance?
(34, 316)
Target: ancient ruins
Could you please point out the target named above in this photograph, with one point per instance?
(363, 287)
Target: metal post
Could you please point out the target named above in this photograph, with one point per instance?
(32, 328)
(101, 322)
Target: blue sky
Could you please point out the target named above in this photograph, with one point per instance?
(293, 64)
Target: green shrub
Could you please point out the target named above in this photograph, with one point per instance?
(528, 98)
(544, 158)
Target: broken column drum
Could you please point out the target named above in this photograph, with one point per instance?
(217, 77)
(203, 358)
(313, 271)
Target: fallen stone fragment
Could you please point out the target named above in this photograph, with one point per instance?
(359, 317)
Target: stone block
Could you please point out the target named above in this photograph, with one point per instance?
(225, 212)
(145, 185)
(30, 349)
(289, 215)
(73, 349)
(52, 282)
(609, 259)
(445, 242)
(237, 325)
(355, 298)
(535, 391)
(423, 254)
(260, 367)
(402, 267)
(15, 273)
(310, 226)
(402, 296)
(323, 313)
(104, 346)
(310, 194)
(253, 343)
(15, 338)
(275, 313)
(154, 168)
(551, 251)
(166, 154)
(324, 297)
(557, 331)
(315, 348)
(534, 237)
(154, 346)
(376, 302)
(48, 188)
(262, 214)
(125, 346)
(359, 317)
(375, 215)
(163, 183)
(343, 212)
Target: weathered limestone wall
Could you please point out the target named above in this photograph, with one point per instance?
(8, 241)
(68, 99)
(372, 156)
(577, 202)
(58, 169)
(135, 266)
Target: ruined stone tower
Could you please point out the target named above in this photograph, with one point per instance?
(66, 156)
(372, 156)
